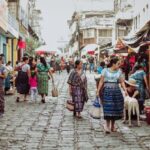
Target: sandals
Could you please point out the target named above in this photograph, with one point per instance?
(114, 129)
(17, 100)
(106, 130)
(43, 100)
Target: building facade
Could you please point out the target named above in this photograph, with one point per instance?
(91, 27)
(15, 28)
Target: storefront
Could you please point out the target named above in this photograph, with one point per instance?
(3, 27)
(140, 44)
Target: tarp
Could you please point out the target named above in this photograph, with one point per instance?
(140, 38)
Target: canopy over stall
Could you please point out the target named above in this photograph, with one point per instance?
(89, 49)
(45, 49)
(141, 38)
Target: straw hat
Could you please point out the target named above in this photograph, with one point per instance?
(131, 82)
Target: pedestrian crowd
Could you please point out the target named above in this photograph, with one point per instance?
(32, 76)
(111, 87)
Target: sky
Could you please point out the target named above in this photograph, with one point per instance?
(55, 14)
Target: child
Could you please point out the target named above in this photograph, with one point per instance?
(33, 86)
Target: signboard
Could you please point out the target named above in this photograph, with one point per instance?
(3, 15)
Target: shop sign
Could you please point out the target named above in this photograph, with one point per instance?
(3, 14)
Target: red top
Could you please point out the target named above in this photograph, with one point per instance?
(33, 81)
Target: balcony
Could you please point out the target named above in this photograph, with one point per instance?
(96, 22)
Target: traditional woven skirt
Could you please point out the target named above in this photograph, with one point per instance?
(2, 100)
(22, 83)
(7, 83)
(113, 102)
(78, 99)
(42, 83)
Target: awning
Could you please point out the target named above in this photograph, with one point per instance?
(45, 49)
(89, 49)
(142, 37)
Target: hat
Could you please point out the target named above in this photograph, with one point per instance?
(131, 82)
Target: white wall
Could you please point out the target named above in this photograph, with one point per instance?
(24, 4)
(141, 14)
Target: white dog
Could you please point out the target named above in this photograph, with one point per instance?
(132, 106)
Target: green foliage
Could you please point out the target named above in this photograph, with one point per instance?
(31, 45)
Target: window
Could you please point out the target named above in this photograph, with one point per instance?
(121, 33)
(105, 33)
(89, 33)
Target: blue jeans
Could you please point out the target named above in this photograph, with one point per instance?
(84, 67)
(91, 67)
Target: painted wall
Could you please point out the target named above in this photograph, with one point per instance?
(12, 51)
(2, 43)
(15, 55)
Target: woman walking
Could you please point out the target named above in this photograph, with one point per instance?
(78, 88)
(43, 70)
(113, 102)
(2, 77)
(9, 75)
(33, 79)
(22, 80)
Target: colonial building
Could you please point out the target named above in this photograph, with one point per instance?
(3, 26)
(91, 27)
(15, 27)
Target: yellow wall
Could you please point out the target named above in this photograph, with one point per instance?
(9, 51)
(15, 41)
(8, 57)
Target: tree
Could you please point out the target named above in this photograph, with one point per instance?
(31, 45)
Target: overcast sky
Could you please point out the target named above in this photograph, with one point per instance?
(55, 14)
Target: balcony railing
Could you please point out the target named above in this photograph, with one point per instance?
(95, 21)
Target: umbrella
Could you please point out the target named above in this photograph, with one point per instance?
(89, 49)
(45, 49)
(42, 50)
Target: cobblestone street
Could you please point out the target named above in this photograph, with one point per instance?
(50, 126)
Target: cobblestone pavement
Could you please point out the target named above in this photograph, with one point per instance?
(49, 126)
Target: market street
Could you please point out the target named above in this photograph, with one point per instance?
(50, 126)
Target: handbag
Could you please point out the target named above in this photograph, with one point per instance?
(96, 109)
(70, 105)
(54, 91)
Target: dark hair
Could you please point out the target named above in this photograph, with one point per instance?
(9, 62)
(138, 67)
(113, 60)
(42, 60)
(33, 74)
(77, 62)
(1, 59)
(31, 60)
(102, 64)
(2, 55)
(25, 58)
